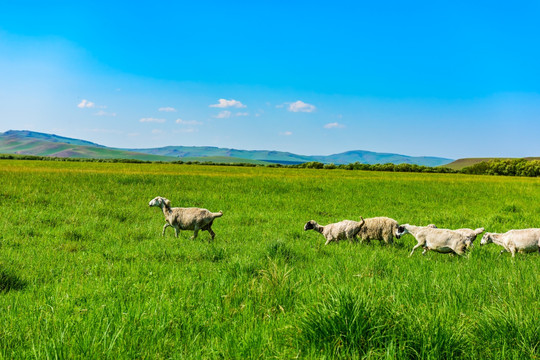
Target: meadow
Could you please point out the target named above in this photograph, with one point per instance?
(85, 272)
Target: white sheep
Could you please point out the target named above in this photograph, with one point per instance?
(185, 218)
(440, 240)
(379, 228)
(470, 234)
(346, 229)
(523, 240)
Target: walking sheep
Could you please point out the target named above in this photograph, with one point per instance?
(185, 218)
(440, 240)
(470, 234)
(523, 240)
(379, 228)
(346, 229)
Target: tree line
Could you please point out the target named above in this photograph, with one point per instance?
(503, 167)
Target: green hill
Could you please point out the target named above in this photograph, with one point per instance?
(465, 162)
(369, 157)
(29, 143)
(210, 151)
(41, 144)
(364, 157)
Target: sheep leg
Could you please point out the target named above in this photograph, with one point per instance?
(327, 241)
(415, 247)
(176, 231)
(195, 233)
(212, 234)
(460, 250)
(164, 227)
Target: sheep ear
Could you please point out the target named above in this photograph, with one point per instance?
(168, 202)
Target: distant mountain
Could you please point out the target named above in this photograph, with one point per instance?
(369, 157)
(204, 151)
(25, 134)
(34, 143)
(365, 157)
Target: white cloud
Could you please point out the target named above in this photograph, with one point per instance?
(300, 106)
(223, 115)
(286, 133)
(242, 114)
(334, 125)
(223, 103)
(103, 113)
(167, 109)
(153, 120)
(185, 131)
(188, 122)
(86, 104)
(157, 131)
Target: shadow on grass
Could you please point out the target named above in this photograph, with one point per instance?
(9, 282)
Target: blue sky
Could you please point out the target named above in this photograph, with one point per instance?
(451, 79)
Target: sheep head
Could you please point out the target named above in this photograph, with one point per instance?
(160, 201)
(402, 230)
(486, 239)
(310, 225)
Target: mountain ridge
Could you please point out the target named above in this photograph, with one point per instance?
(43, 144)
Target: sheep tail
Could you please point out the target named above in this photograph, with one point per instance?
(218, 214)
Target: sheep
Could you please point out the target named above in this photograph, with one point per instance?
(379, 228)
(346, 229)
(469, 233)
(440, 240)
(185, 218)
(522, 240)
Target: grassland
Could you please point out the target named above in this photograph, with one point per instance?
(84, 272)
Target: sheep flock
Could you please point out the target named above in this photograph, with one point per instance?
(383, 229)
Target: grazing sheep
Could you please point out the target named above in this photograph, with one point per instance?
(523, 240)
(379, 228)
(440, 240)
(185, 218)
(346, 229)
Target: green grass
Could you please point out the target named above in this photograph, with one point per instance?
(85, 273)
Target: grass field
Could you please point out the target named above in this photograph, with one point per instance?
(85, 273)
